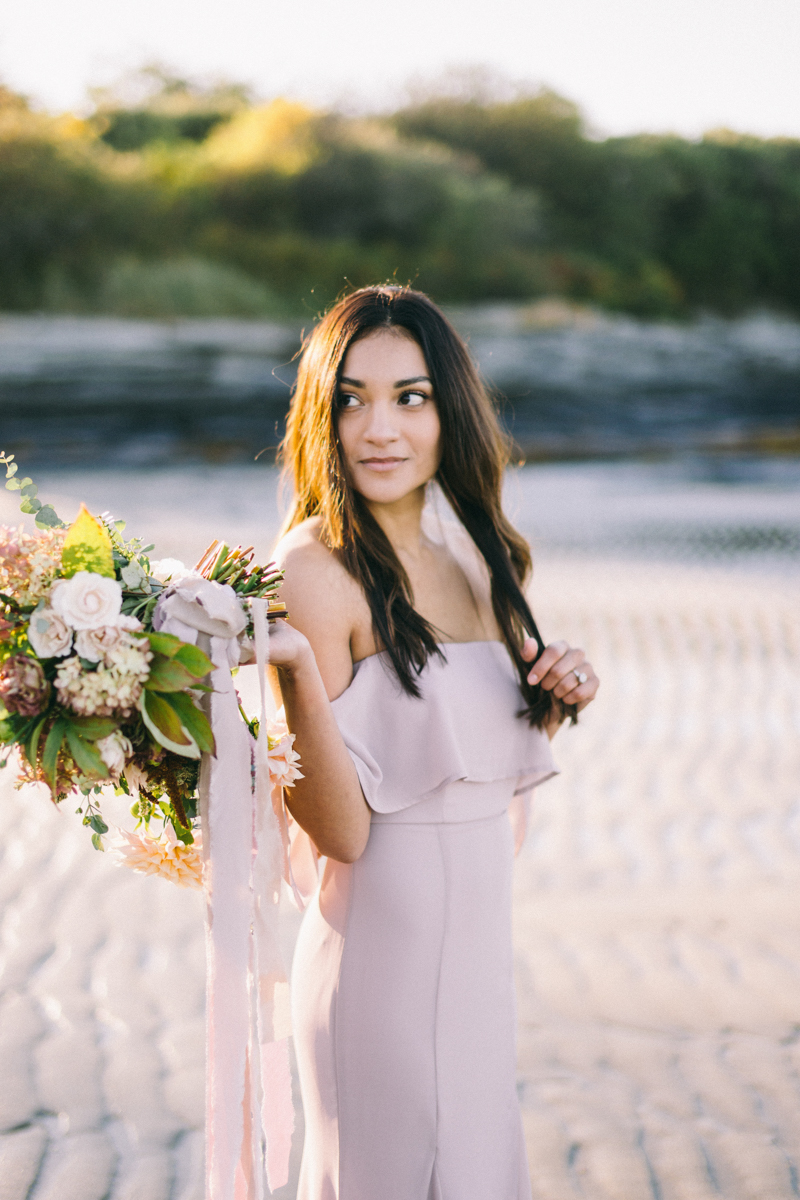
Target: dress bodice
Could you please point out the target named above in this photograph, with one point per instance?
(464, 727)
(457, 753)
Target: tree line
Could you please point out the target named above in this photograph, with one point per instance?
(204, 200)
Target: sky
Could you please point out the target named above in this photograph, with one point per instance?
(682, 66)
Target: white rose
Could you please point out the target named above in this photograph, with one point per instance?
(194, 605)
(87, 600)
(132, 624)
(171, 569)
(114, 751)
(93, 644)
(48, 634)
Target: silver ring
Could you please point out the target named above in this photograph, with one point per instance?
(581, 676)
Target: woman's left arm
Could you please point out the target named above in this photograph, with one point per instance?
(563, 670)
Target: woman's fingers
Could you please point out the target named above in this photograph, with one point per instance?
(582, 693)
(564, 671)
(286, 644)
(547, 661)
(530, 649)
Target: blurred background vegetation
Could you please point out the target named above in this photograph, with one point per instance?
(172, 198)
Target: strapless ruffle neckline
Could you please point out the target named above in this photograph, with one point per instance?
(464, 728)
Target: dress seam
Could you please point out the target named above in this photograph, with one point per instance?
(335, 1034)
(436, 1003)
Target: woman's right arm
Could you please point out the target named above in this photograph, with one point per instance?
(311, 663)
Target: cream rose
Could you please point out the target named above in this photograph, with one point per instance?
(94, 644)
(48, 634)
(114, 751)
(87, 600)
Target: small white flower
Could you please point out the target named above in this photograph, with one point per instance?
(114, 751)
(48, 634)
(87, 600)
(114, 687)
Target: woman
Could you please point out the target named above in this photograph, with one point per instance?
(422, 702)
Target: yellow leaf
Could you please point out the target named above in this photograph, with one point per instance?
(87, 547)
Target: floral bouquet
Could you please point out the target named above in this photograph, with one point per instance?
(102, 681)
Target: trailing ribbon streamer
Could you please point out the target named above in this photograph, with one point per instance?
(249, 1114)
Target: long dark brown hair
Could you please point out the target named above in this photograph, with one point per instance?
(474, 455)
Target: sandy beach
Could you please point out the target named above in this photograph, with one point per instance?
(656, 923)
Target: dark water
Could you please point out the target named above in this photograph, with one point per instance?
(138, 393)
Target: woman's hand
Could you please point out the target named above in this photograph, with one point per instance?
(327, 802)
(562, 670)
(289, 650)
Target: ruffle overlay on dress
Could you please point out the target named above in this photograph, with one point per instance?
(405, 749)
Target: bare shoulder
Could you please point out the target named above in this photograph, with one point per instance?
(302, 552)
(324, 601)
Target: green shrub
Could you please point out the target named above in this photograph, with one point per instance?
(182, 287)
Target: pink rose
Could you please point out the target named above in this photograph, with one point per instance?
(48, 634)
(94, 644)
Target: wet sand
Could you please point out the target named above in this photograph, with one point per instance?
(656, 922)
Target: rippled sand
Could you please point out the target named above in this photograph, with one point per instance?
(656, 918)
(657, 924)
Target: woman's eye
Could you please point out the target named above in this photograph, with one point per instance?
(413, 399)
(348, 400)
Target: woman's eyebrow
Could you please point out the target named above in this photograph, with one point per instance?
(358, 383)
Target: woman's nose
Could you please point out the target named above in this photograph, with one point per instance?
(381, 427)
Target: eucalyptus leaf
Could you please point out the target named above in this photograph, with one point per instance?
(48, 518)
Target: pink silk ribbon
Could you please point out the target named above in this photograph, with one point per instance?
(249, 1112)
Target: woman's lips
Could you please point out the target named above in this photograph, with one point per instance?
(381, 464)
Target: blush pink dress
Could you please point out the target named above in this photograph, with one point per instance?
(403, 991)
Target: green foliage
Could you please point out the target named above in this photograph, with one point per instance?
(45, 516)
(649, 224)
(132, 129)
(194, 721)
(176, 199)
(87, 547)
(183, 287)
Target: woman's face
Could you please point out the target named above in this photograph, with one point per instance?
(388, 424)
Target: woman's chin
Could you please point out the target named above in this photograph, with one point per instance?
(385, 490)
